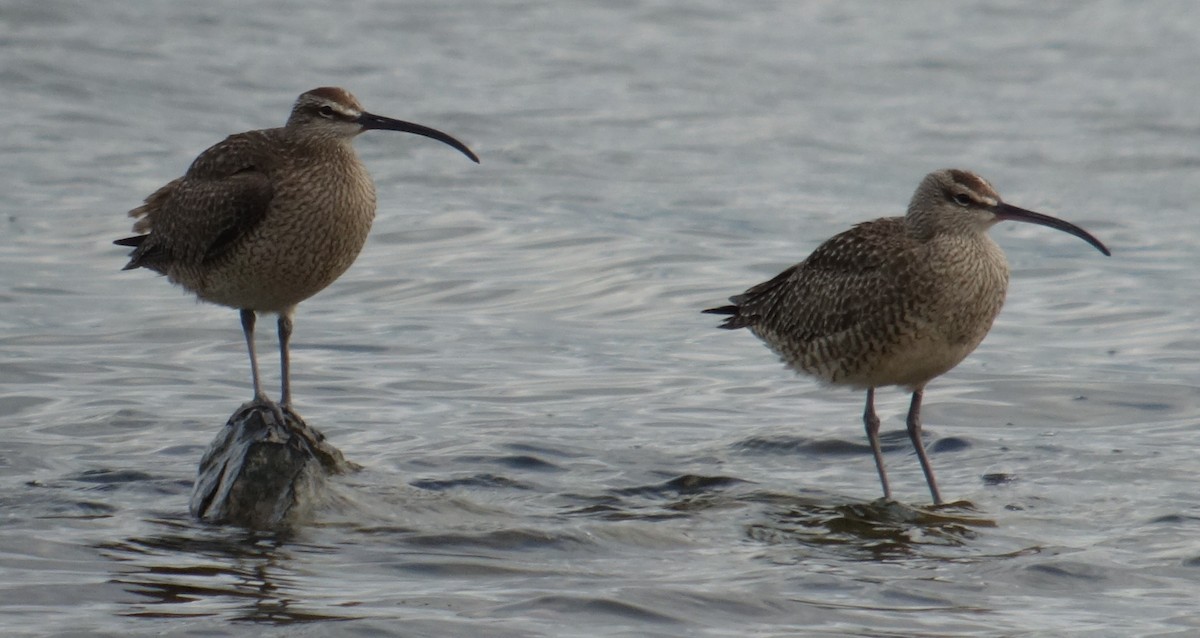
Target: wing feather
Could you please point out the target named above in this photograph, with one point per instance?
(198, 217)
(839, 287)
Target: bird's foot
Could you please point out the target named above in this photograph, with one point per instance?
(277, 411)
(286, 408)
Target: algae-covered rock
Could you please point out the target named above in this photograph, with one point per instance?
(264, 473)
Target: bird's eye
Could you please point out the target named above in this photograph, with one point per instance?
(325, 111)
(962, 199)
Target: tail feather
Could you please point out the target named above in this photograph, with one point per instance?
(749, 308)
(735, 320)
(139, 252)
(134, 241)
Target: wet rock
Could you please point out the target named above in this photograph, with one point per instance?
(266, 469)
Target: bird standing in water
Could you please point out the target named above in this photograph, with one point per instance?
(894, 301)
(268, 218)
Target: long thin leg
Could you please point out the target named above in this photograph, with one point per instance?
(872, 423)
(248, 319)
(285, 337)
(914, 433)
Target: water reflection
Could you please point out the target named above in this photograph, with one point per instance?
(878, 530)
(192, 571)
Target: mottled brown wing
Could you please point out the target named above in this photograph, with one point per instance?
(196, 218)
(841, 286)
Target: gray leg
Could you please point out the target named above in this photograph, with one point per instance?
(285, 337)
(872, 423)
(248, 319)
(914, 433)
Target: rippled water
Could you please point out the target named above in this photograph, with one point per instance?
(556, 442)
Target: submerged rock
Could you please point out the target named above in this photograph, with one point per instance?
(262, 473)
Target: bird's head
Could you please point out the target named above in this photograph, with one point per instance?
(957, 202)
(333, 113)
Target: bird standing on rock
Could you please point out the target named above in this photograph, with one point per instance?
(894, 301)
(268, 218)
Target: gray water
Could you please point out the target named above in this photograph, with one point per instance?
(556, 442)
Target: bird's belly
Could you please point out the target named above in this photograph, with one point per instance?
(281, 264)
(913, 363)
(900, 351)
(908, 360)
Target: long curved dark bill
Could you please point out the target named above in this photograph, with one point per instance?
(379, 122)
(1008, 212)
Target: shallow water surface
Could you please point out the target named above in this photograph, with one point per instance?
(555, 441)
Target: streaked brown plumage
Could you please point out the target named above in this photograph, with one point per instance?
(893, 301)
(266, 219)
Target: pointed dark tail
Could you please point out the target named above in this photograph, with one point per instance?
(135, 256)
(735, 320)
(723, 310)
(134, 241)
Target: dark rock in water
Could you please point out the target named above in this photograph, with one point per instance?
(262, 473)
